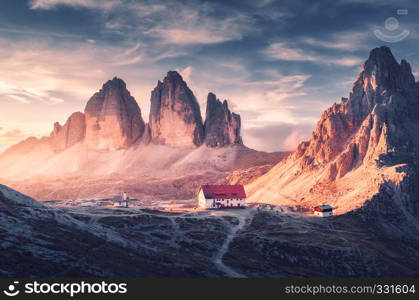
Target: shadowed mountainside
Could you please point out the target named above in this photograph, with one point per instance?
(41, 241)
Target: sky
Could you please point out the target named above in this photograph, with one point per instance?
(279, 64)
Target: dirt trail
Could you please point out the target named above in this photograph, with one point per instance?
(244, 217)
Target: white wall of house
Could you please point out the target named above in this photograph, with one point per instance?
(323, 214)
(212, 203)
(202, 202)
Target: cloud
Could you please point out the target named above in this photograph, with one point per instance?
(31, 33)
(191, 26)
(50, 4)
(265, 104)
(186, 73)
(281, 51)
(167, 54)
(198, 91)
(36, 73)
(15, 133)
(130, 56)
(344, 41)
(294, 138)
(175, 22)
(39, 73)
(279, 136)
(11, 137)
(260, 102)
(193, 36)
(27, 95)
(284, 83)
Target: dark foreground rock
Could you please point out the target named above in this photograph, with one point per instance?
(41, 241)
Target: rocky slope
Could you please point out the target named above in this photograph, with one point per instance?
(149, 172)
(360, 147)
(41, 241)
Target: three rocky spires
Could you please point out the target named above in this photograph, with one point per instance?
(112, 119)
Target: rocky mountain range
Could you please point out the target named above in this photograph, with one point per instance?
(110, 141)
(363, 149)
(112, 120)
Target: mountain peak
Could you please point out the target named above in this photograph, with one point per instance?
(381, 71)
(221, 127)
(382, 84)
(175, 116)
(380, 60)
(115, 82)
(173, 76)
(381, 52)
(113, 117)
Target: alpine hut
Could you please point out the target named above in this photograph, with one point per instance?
(222, 196)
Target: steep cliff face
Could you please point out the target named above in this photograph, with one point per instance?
(113, 118)
(175, 116)
(221, 127)
(381, 82)
(73, 132)
(357, 146)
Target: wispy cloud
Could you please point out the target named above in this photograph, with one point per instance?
(282, 136)
(50, 4)
(172, 22)
(36, 73)
(11, 137)
(203, 35)
(27, 95)
(186, 73)
(265, 102)
(190, 25)
(281, 51)
(130, 56)
(16, 133)
(344, 41)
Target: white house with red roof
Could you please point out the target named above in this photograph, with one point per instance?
(222, 196)
(323, 211)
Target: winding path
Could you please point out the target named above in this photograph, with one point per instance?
(243, 217)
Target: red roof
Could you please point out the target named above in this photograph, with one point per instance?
(323, 208)
(223, 191)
